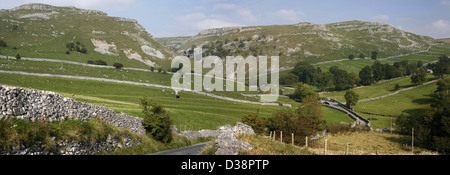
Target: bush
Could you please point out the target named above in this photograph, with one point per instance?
(335, 128)
(100, 62)
(83, 50)
(256, 123)
(3, 43)
(157, 121)
(351, 57)
(67, 52)
(303, 91)
(18, 56)
(118, 65)
(304, 121)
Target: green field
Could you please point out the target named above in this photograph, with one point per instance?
(405, 103)
(376, 90)
(326, 67)
(192, 111)
(334, 116)
(360, 63)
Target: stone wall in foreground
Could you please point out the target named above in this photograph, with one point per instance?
(32, 105)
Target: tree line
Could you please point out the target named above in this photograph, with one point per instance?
(339, 79)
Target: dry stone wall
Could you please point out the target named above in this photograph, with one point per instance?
(32, 105)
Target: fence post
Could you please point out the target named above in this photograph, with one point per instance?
(346, 149)
(306, 142)
(270, 135)
(412, 141)
(292, 135)
(325, 147)
(274, 133)
(281, 136)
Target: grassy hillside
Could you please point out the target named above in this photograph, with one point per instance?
(359, 143)
(307, 41)
(192, 111)
(43, 31)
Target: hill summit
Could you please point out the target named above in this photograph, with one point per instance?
(44, 31)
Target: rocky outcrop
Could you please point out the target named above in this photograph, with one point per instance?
(226, 141)
(228, 144)
(32, 105)
(65, 147)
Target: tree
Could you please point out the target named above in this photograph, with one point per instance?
(377, 71)
(351, 57)
(342, 79)
(366, 76)
(442, 67)
(156, 121)
(83, 50)
(374, 55)
(361, 55)
(288, 79)
(255, 122)
(324, 81)
(432, 125)
(118, 65)
(351, 98)
(306, 72)
(302, 91)
(419, 77)
(70, 46)
(305, 120)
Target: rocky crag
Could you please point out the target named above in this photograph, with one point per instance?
(226, 141)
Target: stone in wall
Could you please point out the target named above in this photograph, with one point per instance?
(32, 105)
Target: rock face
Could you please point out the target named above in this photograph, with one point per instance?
(228, 144)
(226, 141)
(30, 104)
(65, 147)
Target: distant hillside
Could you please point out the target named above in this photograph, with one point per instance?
(304, 41)
(445, 40)
(43, 31)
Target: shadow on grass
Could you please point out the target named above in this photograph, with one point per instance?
(413, 112)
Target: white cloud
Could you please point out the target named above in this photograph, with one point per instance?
(445, 2)
(441, 25)
(247, 15)
(224, 7)
(289, 15)
(381, 17)
(191, 24)
(437, 29)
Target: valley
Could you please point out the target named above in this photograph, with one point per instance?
(44, 52)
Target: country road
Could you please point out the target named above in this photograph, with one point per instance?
(190, 150)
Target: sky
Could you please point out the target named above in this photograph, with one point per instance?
(167, 18)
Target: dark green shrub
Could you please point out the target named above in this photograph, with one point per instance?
(157, 121)
(256, 123)
(118, 65)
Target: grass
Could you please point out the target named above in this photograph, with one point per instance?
(376, 90)
(21, 132)
(326, 67)
(334, 116)
(264, 146)
(378, 121)
(194, 111)
(360, 63)
(368, 143)
(407, 103)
